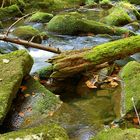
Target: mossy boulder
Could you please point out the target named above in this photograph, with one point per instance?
(9, 12)
(35, 102)
(121, 14)
(118, 134)
(40, 17)
(13, 67)
(131, 79)
(44, 132)
(74, 23)
(27, 33)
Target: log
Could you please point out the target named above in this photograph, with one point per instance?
(70, 63)
(30, 44)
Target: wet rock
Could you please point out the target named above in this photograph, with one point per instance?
(118, 134)
(44, 132)
(7, 48)
(13, 67)
(40, 17)
(9, 12)
(27, 33)
(74, 23)
(130, 86)
(134, 26)
(34, 102)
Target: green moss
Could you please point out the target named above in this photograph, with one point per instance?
(39, 99)
(106, 52)
(131, 79)
(40, 17)
(27, 32)
(118, 134)
(45, 72)
(1, 25)
(46, 132)
(118, 17)
(74, 23)
(11, 74)
(9, 12)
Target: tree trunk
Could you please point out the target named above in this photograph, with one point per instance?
(72, 62)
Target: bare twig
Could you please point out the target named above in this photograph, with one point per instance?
(30, 44)
(3, 2)
(17, 22)
(135, 110)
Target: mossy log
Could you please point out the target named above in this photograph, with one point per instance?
(72, 62)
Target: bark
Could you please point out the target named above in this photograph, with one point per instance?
(29, 44)
(72, 62)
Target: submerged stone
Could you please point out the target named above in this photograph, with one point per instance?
(44, 132)
(118, 134)
(74, 23)
(40, 17)
(131, 79)
(13, 67)
(32, 105)
(27, 33)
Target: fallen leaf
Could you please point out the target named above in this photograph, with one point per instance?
(91, 83)
(26, 95)
(43, 81)
(113, 84)
(21, 114)
(23, 88)
(6, 61)
(135, 120)
(29, 109)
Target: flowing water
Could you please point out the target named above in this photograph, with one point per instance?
(82, 116)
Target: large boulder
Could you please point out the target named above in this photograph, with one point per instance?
(44, 132)
(130, 76)
(27, 33)
(13, 67)
(40, 17)
(121, 14)
(33, 103)
(118, 134)
(74, 23)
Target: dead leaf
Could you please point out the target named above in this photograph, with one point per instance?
(43, 81)
(26, 95)
(6, 61)
(114, 84)
(23, 88)
(29, 109)
(135, 120)
(21, 114)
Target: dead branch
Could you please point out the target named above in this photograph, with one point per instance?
(29, 44)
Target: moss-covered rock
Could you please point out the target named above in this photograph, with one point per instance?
(121, 14)
(35, 102)
(118, 134)
(44, 132)
(40, 17)
(45, 72)
(74, 23)
(131, 79)
(9, 12)
(27, 32)
(13, 67)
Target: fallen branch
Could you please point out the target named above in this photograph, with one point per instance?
(29, 44)
(72, 62)
(17, 22)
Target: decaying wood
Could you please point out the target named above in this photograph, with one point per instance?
(72, 62)
(30, 44)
